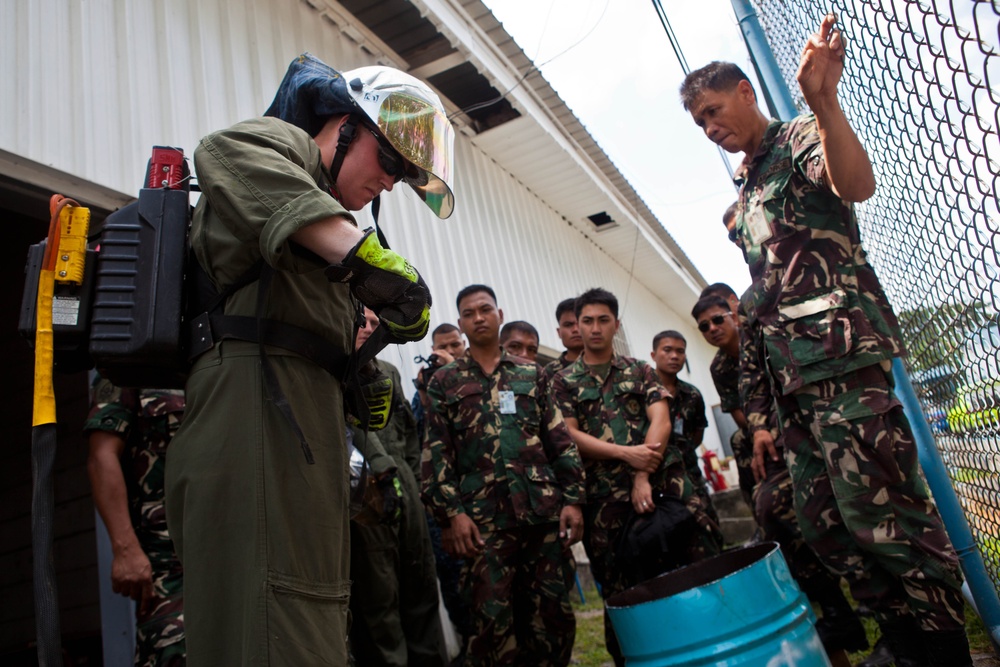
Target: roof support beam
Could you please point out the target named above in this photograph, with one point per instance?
(439, 65)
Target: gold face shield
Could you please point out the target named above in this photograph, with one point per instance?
(422, 134)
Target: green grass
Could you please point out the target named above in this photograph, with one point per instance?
(589, 651)
(979, 638)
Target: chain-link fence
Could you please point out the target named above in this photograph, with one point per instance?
(921, 88)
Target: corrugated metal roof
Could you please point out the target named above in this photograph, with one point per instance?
(431, 56)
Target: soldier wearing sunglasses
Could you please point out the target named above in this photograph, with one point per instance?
(718, 326)
(771, 498)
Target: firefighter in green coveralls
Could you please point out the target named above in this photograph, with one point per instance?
(257, 484)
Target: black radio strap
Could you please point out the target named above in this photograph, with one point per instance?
(274, 389)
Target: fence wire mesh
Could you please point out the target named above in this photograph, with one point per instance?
(921, 87)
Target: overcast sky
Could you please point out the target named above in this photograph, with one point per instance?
(621, 81)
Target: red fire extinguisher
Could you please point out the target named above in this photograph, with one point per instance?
(713, 470)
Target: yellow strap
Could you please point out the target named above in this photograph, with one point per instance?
(74, 223)
(45, 396)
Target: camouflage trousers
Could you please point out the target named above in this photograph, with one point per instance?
(861, 502)
(699, 484)
(159, 625)
(394, 595)
(604, 521)
(774, 510)
(519, 587)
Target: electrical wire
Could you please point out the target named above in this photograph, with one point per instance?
(631, 268)
(535, 68)
(679, 52)
(674, 43)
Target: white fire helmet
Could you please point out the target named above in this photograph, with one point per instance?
(412, 118)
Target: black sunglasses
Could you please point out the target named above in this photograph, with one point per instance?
(717, 320)
(389, 159)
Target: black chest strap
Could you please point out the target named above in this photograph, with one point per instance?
(211, 326)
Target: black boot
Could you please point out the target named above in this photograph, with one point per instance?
(906, 641)
(839, 628)
(841, 631)
(948, 648)
(881, 656)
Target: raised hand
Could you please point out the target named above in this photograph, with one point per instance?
(822, 63)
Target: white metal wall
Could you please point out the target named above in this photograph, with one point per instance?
(87, 87)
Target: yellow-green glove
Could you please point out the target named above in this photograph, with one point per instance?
(387, 283)
(371, 397)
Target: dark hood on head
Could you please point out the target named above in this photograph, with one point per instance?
(310, 93)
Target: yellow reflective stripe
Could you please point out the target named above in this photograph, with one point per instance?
(44, 411)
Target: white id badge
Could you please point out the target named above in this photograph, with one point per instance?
(679, 426)
(757, 226)
(507, 406)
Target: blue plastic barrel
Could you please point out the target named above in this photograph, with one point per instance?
(741, 607)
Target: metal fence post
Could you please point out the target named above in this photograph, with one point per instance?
(779, 99)
(987, 603)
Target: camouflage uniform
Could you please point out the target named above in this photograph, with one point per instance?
(394, 599)
(555, 366)
(499, 452)
(774, 510)
(826, 333)
(687, 416)
(146, 419)
(726, 376)
(772, 503)
(613, 409)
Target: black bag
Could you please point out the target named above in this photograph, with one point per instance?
(654, 543)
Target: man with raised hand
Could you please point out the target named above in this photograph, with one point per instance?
(828, 335)
(771, 495)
